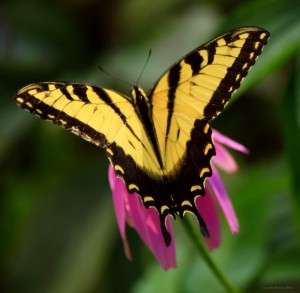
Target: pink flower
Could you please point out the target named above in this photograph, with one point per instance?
(146, 222)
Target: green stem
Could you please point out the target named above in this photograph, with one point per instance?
(203, 252)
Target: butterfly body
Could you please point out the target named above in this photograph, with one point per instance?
(143, 110)
(159, 143)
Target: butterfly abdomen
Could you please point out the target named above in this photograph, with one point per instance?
(143, 110)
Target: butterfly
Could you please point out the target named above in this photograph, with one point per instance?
(159, 143)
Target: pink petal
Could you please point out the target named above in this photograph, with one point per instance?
(220, 138)
(118, 192)
(208, 211)
(224, 160)
(218, 189)
(145, 221)
(147, 224)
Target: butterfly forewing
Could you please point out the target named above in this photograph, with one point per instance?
(199, 86)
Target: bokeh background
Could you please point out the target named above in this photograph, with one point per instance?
(57, 225)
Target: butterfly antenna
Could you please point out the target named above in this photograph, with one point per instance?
(143, 69)
(113, 76)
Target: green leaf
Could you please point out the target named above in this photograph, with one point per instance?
(291, 117)
(281, 19)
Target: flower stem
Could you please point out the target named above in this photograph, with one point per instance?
(203, 252)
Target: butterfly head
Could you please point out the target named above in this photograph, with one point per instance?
(139, 96)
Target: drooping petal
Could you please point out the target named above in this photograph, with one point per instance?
(147, 224)
(129, 208)
(208, 211)
(222, 139)
(219, 191)
(224, 160)
(119, 192)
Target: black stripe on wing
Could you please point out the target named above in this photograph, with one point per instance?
(79, 90)
(173, 81)
(46, 112)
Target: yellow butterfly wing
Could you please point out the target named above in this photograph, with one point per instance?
(98, 115)
(188, 95)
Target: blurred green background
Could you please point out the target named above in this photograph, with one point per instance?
(58, 229)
